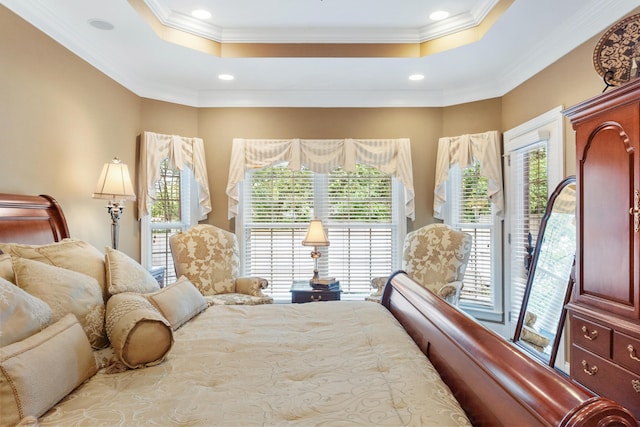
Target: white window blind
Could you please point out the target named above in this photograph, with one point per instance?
(357, 210)
(171, 212)
(471, 211)
(529, 174)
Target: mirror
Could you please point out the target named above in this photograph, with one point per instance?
(550, 280)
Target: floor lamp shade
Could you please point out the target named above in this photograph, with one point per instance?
(115, 185)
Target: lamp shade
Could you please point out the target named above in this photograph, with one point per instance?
(114, 182)
(315, 234)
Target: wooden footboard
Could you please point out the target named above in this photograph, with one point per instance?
(495, 383)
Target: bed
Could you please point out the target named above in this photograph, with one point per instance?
(411, 360)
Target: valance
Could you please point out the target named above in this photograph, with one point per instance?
(182, 152)
(465, 150)
(391, 156)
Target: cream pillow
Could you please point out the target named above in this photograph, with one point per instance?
(65, 291)
(124, 274)
(39, 371)
(179, 302)
(6, 268)
(139, 334)
(71, 254)
(21, 315)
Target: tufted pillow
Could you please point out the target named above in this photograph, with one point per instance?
(71, 254)
(40, 370)
(21, 315)
(6, 268)
(179, 302)
(65, 291)
(139, 334)
(124, 274)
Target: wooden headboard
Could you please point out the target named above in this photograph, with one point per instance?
(31, 219)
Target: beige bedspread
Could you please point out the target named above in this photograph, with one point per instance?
(332, 363)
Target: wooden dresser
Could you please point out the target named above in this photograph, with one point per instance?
(604, 311)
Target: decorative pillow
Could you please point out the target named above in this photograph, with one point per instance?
(139, 334)
(65, 291)
(21, 315)
(39, 371)
(71, 254)
(179, 302)
(6, 268)
(124, 274)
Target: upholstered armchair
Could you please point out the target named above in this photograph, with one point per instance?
(435, 256)
(210, 258)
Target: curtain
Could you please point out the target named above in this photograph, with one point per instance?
(182, 152)
(391, 156)
(464, 150)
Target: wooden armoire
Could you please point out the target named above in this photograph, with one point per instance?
(604, 311)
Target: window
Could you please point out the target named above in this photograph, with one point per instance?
(471, 211)
(528, 172)
(362, 212)
(534, 165)
(171, 212)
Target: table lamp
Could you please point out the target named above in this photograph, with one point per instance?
(315, 237)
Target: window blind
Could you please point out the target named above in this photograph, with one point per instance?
(472, 212)
(357, 211)
(529, 172)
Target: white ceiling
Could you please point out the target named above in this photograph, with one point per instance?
(528, 37)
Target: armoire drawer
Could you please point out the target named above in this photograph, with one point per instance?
(626, 352)
(606, 379)
(591, 336)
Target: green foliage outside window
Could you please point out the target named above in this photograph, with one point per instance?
(166, 208)
(283, 196)
(538, 192)
(362, 196)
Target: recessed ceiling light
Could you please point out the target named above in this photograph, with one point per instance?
(100, 24)
(439, 15)
(225, 77)
(201, 14)
(416, 77)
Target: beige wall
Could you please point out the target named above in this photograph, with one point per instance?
(61, 119)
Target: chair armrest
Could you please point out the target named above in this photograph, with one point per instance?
(251, 286)
(450, 292)
(377, 283)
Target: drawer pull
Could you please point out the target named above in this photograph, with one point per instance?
(636, 385)
(589, 370)
(589, 335)
(632, 353)
(316, 298)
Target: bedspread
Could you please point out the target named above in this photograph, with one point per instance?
(332, 363)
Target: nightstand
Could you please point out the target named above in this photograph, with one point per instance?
(158, 274)
(302, 292)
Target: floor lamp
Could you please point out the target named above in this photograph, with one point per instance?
(115, 185)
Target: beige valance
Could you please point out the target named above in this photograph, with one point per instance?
(465, 150)
(182, 152)
(391, 156)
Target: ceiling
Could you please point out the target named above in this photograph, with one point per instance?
(321, 53)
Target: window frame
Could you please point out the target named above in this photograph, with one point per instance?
(320, 184)
(188, 216)
(495, 311)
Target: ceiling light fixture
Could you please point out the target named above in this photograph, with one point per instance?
(439, 15)
(100, 24)
(416, 77)
(201, 14)
(225, 77)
